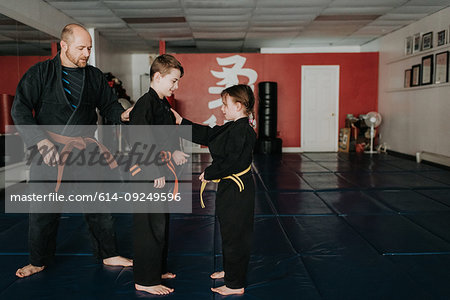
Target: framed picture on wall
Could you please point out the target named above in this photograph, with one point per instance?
(441, 67)
(416, 42)
(427, 41)
(442, 37)
(408, 45)
(407, 81)
(415, 75)
(426, 75)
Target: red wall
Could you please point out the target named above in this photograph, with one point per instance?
(12, 70)
(358, 85)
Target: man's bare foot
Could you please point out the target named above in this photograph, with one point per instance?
(118, 261)
(154, 289)
(168, 275)
(218, 275)
(224, 290)
(28, 270)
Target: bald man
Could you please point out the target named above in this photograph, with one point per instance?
(64, 90)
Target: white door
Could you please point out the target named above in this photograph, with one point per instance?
(320, 107)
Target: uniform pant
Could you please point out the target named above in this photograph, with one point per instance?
(235, 211)
(43, 228)
(150, 243)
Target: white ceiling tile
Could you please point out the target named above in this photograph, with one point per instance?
(148, 13)
(210, 24)
(362, 3)
(283, 17)
(412, 17)
(409, 9)
(218, 18)
(215, 11)
(142, 4)
(218, 4)
(218, 44)
(89, 12)
(288, 11)
(76, 4)
(292, 3)
(356, 10)
(429, 2)
(219, 36)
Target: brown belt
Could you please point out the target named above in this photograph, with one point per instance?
(80, 143)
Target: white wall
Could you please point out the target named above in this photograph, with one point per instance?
(414, 119)
(111, 58)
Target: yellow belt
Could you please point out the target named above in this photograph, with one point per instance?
(234, 177)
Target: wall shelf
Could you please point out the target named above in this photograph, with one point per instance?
(420, 53)
(420, 87)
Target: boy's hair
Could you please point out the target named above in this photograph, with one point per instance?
(163, 64)
(243, 94)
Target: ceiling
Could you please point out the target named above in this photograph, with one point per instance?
(18, 39)
(244, 25)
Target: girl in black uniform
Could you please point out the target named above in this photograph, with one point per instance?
(150, 233)
(231, 146)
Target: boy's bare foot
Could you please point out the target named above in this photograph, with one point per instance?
(224, 290)
(118, 261)
(168, 275)
(218, 275)
(28, 270)
(154, 289)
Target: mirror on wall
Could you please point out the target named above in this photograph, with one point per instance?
(21, 46)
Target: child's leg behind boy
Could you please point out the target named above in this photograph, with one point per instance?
(235, 211)
(149, 239)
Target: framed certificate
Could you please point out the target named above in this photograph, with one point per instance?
(415, 75)
(416, 42)
(426, 76)
(408, 45)
(442, 37)
(441, 67)
(407, 81)
(427, 41)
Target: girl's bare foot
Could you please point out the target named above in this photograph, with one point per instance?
(118, 261)
(224, 290)
(168, 275)
(218, 275)
(28, 270)
(154, 289)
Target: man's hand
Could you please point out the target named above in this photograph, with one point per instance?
(160, 182)
(178, 118)
(125, 116)
(180, 158)
(48, 152)
(202, 177)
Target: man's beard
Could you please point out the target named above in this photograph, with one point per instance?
(77, 61)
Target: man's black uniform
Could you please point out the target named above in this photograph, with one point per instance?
(41, 100)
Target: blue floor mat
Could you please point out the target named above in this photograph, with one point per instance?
(327, 226)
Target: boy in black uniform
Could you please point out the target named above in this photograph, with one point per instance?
(150, 230)
(231, 146)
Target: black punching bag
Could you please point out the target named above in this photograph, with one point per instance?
(267, 116)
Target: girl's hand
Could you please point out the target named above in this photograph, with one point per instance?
(202, 177)
(160, 182)
(178, 118)
(179, 157)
